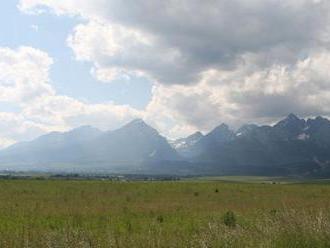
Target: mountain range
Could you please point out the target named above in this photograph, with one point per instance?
(293, 146)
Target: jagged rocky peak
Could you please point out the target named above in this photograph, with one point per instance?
(318, 120)
(196, 135)
(221, 133)
(291, 122)
(291, 118)
(245, 129)
(188, 141)
(222, 128)
(314, 125)
(193, 138)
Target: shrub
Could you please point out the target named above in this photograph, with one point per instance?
(160, 219)
(273, 212)
(229, 219)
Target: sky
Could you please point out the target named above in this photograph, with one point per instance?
(181, 65)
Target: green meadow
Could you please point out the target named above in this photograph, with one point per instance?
(197, 213)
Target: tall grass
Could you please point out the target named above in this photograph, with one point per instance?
(162, 214)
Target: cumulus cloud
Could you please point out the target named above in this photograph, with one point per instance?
(117, 50)
(14, 127)
(24, 81)
(211, 61)
(246, 95)
(24, 74)
(65, 112)
(175, 41)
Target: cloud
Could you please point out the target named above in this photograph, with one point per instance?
(25, 82)
(62, 113)
(15, 126)
(116, 50)
(211, 61)
(246, 95)
(174, 42)
(24, 74)
(4, 142)
(35, 28)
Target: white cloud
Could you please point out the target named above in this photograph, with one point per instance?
(35, 28)
(14, 127)
(24, 81)
(24, 74)
(245, 95)
(4, 142)
(211, 61)
(173, 42)
(62, 113)
(116, 50)
(59, 6)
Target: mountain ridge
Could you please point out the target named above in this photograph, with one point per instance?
(291, 146)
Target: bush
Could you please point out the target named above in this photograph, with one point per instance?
(160, 219)
(273, 212)
(229, 219)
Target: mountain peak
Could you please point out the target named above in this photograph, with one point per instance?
(139, 125)
(317, 122)
(246, 129)
(290, 127)
(290, 120)
(320, 118)
(221, 133)
(197, 134)
(223, 127)
(185, 143)
(292, 116)
(137, 121)
(193, 138)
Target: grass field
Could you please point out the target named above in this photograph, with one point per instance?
(63, 213)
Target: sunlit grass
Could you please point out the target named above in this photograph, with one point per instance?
(51, 213)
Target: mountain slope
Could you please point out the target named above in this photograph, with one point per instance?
(134, 145)
(292, 145)
(54, 147)
(183, 145)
